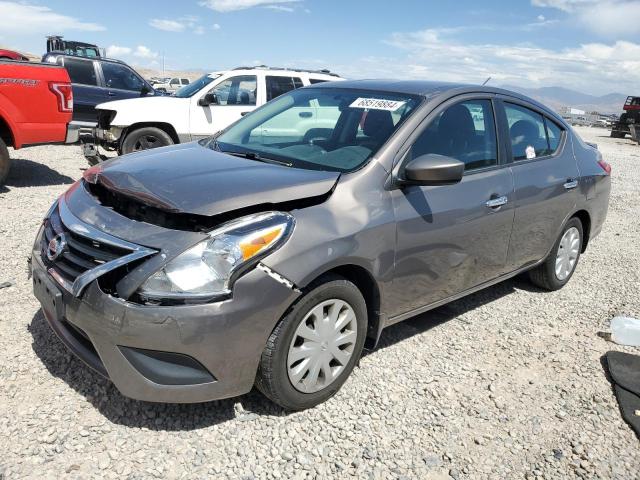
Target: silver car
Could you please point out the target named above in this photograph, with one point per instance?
(271, 254)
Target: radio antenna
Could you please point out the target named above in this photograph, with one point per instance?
(486, 81)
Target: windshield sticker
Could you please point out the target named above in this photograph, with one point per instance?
(531, 152)
(377, 104)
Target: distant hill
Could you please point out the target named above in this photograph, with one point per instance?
(556, 97)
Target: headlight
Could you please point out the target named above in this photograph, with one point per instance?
(207, 270)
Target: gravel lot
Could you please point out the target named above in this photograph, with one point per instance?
(507, 383)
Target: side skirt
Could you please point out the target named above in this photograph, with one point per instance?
(439, 303)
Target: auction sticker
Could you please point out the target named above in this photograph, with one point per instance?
(530, 152)
(377, 104)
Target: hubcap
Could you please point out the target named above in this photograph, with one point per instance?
(568, 252)
(146, 142)
(322, 346)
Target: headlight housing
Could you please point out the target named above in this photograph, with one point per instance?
(207, 270)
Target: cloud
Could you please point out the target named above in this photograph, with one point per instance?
(19, 18)
(144, 52)
(167, 25)
(181, 24)
(233, 5)
(116, 51)
(439, 55)
(609, 18)
(215, 26)
(280, 8)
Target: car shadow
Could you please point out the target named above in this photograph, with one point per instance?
(118, 409)
(26, 173)
(121, 410)
(426, 321)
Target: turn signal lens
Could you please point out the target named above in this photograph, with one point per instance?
(253, 245)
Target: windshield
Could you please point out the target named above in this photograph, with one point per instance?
(192, 88)
(319, 128)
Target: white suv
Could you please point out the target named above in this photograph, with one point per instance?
(170, 85)
(198, 110)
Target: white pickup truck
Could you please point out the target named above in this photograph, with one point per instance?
(198, 110)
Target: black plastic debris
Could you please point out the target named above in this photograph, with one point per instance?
(624, 369)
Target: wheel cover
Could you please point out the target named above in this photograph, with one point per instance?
(568, 252)
(146, 142)
(322, 345)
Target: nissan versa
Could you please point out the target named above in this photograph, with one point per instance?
(271, 253)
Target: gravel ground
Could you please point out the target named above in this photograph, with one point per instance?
(507, 383)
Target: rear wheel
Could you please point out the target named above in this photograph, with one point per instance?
(314, 348)
(558, 268)
(145, 138)
(5, 162)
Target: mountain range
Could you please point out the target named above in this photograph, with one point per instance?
(556, 97)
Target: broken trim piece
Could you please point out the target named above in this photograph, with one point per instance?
(277, 277)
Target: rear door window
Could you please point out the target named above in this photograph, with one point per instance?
(554, 133)
(81, 71)
(276, 86)
(527, 132)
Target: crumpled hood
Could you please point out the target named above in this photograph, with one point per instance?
(190, 178)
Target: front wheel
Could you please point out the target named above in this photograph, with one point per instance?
(145, 138)
(559, 266)
(314, 348)
(5, 162)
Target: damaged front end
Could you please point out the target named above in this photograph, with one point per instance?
(194, 258)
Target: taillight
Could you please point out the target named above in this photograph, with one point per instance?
(605, 166)
(64, 94)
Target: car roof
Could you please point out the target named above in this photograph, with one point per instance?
(81, 57)
(429, 89)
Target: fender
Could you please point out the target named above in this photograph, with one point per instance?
(8, 112)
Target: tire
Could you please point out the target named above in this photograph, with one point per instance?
(5, 162)
(545, 275)
(273, 378)
(145, 138)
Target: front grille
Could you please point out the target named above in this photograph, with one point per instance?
(81, 253)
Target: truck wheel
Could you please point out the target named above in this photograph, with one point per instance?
(5, 162)
(145, 138)
(315, 346)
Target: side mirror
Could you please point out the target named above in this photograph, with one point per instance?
(433, 169)
(208, 99)
(145, 90)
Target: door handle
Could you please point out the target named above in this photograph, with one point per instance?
(305, 114)
(570, 184)
(496, 203)
(242, 114)
(111, 94)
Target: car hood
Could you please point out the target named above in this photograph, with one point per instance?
(142, 102)
(190, 178)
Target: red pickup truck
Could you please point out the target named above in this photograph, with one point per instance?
(36, 104)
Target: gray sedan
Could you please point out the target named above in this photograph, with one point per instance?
(274, 252)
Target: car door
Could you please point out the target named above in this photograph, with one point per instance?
(87, 91)
(121, 82)
(545, 175)
(235, 96)
(451, 238)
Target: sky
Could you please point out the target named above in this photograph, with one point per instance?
(592, 46)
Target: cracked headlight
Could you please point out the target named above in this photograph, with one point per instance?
(208, 269)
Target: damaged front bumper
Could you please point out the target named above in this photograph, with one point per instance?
(178, 353)
(107, 138)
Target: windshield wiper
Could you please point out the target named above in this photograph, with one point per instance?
(256, 156)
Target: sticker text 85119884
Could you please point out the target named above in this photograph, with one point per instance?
(377, 104)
